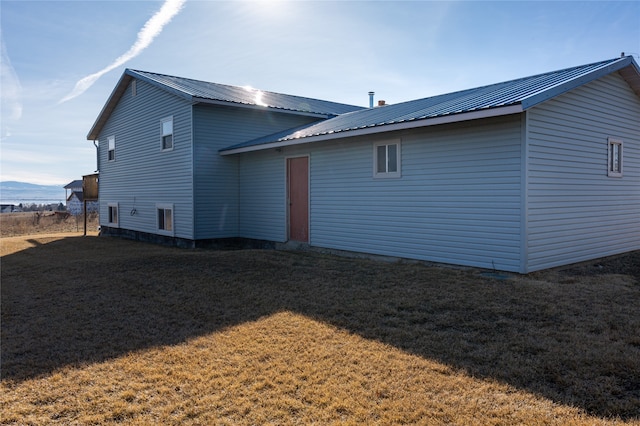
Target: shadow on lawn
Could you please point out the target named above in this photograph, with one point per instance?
(83, 300)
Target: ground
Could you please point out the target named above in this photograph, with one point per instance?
(100, 330)
(627, 264)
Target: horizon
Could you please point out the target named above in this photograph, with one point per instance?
(36, 193)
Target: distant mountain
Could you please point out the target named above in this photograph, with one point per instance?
(12, 192)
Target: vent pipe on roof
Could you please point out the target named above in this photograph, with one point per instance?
(371, 99)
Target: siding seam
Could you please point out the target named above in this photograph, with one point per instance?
(193, 176)
(524, 194)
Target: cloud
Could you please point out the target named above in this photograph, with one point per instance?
(152, 28)
(11, 88)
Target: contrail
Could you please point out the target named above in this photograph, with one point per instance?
(151, 29)
(11, 89)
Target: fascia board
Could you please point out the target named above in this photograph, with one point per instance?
(162, 86)
(109, 106)
(565, 87)
(631, 74)
(454, 118)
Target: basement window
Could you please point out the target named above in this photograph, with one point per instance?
(614, 157)
(386, 159)
(113, 214)
(167, 133)
(111, 142)
(165, 218)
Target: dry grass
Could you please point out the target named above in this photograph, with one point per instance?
(105, 331)
(14, 224)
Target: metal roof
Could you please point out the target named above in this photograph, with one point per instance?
(205, 91)
(79, 195)
(497, 99)
(74, 184)
(213, 93)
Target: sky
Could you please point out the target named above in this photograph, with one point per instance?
(60, 60)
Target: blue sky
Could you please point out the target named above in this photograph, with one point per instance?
(336, 51)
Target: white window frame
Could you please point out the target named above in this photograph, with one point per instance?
(386, 174)
(614, 146)
(111, 147)
(110, 221)
(163, 134)
(164, 230)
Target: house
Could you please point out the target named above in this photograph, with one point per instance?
(75, 185)
(75, 199)
(9, 208)
(518, 176)
(75, 204)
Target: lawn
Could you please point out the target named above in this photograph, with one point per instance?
(106, 331)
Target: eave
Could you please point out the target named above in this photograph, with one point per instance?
(406, 125)
(626, 66)
(109, 106)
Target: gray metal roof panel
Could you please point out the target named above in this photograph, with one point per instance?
(527, 92)
(206, 91)
(74, 184)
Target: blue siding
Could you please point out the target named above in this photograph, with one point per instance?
(216, 186)
(143, 175)
(575, 211)
(262, 203)
(458, 200)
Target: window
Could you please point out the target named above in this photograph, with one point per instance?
(165, 218)
(112, 148)
(113, 213)
(167, 133)
(386, 159)
(614, 158)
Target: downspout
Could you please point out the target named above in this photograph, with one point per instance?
(97, 145)
(97, 156)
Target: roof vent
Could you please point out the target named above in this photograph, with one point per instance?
(371, 99)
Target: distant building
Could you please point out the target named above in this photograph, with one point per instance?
(9, 208)
(75, 185)
(75, 199)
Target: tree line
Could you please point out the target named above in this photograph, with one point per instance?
(46, 207)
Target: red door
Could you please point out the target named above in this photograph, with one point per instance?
(298, 198)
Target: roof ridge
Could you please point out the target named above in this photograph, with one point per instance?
(501, 83)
